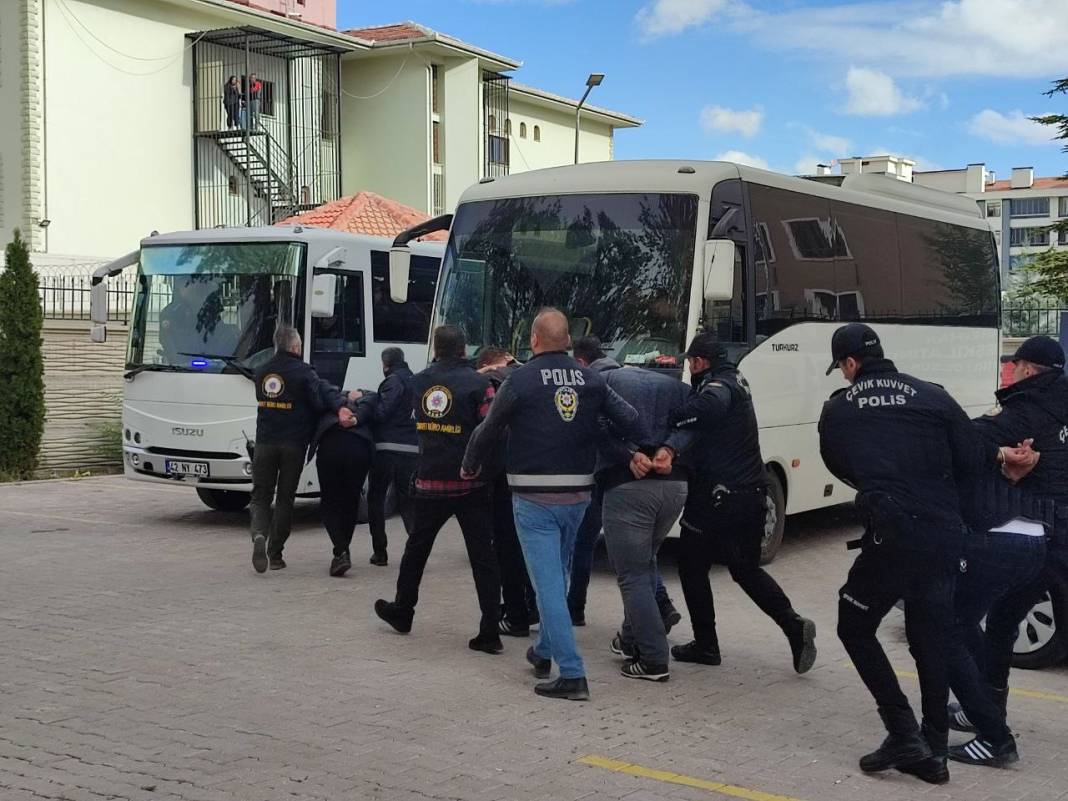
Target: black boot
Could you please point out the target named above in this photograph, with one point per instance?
(801, 633)
(487, 642)
(340, 564)
(569, 689)
(701, 653)
(394, 614)
(670, 615)
(902, 746)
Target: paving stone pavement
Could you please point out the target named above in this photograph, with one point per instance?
(142, 658)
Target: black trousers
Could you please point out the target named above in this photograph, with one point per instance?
(389, 467)
(1002, 625)
(515, 582)
(342, 461)
(880, 576)
(276, 469)
(473, 513)
(233, 115)
(728, 535)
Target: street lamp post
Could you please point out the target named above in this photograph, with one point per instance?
(594, 80)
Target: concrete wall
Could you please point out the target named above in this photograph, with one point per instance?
(461, 118)
(12, 53)
(385, 124)
(557, 145)
(314, 12)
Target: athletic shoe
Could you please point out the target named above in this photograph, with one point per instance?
(802, 637)
(639, 670)
(623, 649)
(569, 689)
(542, 667)
(259, 553)
(958, 720)
(399, 618)
(379, 558)
(670, 615)
(983, 752)
(695, 652)
(277, 563)
(509, 629)
(340, 565)
(486, 644)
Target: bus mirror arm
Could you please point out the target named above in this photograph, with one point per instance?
(98, 294)
(400, 255)
(719, 269)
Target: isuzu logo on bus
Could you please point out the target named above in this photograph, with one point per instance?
(178, 431)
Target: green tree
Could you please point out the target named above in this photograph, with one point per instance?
(1052, 272)
(21, 364)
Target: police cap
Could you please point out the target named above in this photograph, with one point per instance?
(1042, 351)
(706, 346)
(855, 339)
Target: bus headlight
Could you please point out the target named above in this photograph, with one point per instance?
(135, 460)
(246, 468)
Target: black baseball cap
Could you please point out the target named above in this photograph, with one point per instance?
(855, 339)
(1041, 350)
(706, 346)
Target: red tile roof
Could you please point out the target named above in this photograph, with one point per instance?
(365, 213)
(388, 33)
(1040, 183)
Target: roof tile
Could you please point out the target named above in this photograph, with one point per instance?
(365, 213)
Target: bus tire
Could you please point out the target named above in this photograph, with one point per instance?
(775, 520)
(1043, 638)
(224, 500)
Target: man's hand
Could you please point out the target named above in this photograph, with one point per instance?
(353, 395)
(345, 417)
(663, 460)
(1017, 463)
(640, 465)
(467, 475)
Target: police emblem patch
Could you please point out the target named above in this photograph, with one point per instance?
(567, 401)
(273, 385)
(437, 401)
(1064, 435)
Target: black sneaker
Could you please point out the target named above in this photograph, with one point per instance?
(578, 617)
(568, 689)
(983, 752)
(259, 553)
(958, 720)
(932, 770)
(670, 615)
(399, 618)
(487, 644)
(379, 558)
(639, 670)
(695, 652)
(896, 751)
(277, 563)
(340, 565)
(623, 649)
(509, 629)
(542, 667)
(802, 637)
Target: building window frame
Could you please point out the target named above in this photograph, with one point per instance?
(1030, 207)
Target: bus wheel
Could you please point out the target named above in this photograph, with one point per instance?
(224, 500)
(775, 519)
(1042, 640)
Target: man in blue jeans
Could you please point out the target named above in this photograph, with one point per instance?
(551, 407)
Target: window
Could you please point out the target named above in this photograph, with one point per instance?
(235, 189)
(1030, 207)
(267, 98)
(328, 121)
(537, 133)
(993, 208)
(867, 281)
(1062, 209)
(726, 318)
(507, 127)
(403, 322)
(816, 238)
(764, 253)
(305, 195)
(435, 94)
(825, 304)
(497, 150)
(522, 130)
(437, 142)
(340, 336)
(1028, 237)
(491, 124)
(1062, 237)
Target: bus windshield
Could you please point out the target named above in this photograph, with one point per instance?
(619, 265)
(213, 308)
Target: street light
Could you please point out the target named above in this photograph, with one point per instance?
(594, 80)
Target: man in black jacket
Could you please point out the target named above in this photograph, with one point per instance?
(551, 408)
(449, 400)
(396, 448)
(290, 397)
(905, 445)
(726, 506)
(1005, 561)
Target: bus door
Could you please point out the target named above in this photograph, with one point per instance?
(727, 319)
(337, 339)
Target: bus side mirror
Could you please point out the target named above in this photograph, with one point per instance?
(98, 333)
(400, 265)
(98, 303)
(322, 300)
(719, 269)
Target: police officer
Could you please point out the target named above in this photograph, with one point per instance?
(449, 400)
(290, 397)
(396, 448)
(551, 407)
(726, 506)
(1005, 566)
(903, 444)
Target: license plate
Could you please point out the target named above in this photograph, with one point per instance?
(176, 467)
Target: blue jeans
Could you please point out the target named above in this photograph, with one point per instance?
(547, 535)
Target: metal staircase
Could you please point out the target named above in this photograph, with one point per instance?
(266, 166)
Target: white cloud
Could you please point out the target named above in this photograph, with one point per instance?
(806, 165)
(726, 120)
(665, 17)
(874, 94)
(829, 143)
(1013, 128)
(741, 157)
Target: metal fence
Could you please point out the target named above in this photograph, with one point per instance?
(66, 297)
(1029, 318)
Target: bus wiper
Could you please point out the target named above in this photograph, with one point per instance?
(155, 368)
(231, 361)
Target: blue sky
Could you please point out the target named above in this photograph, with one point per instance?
(786, 84)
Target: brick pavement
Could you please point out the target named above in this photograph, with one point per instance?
(142, 658)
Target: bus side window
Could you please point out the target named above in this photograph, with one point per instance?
(726, 318)
(409, 321)
(338, 337)
(867, 269)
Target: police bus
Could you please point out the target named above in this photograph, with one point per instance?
(644, 254)
(204, 313)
